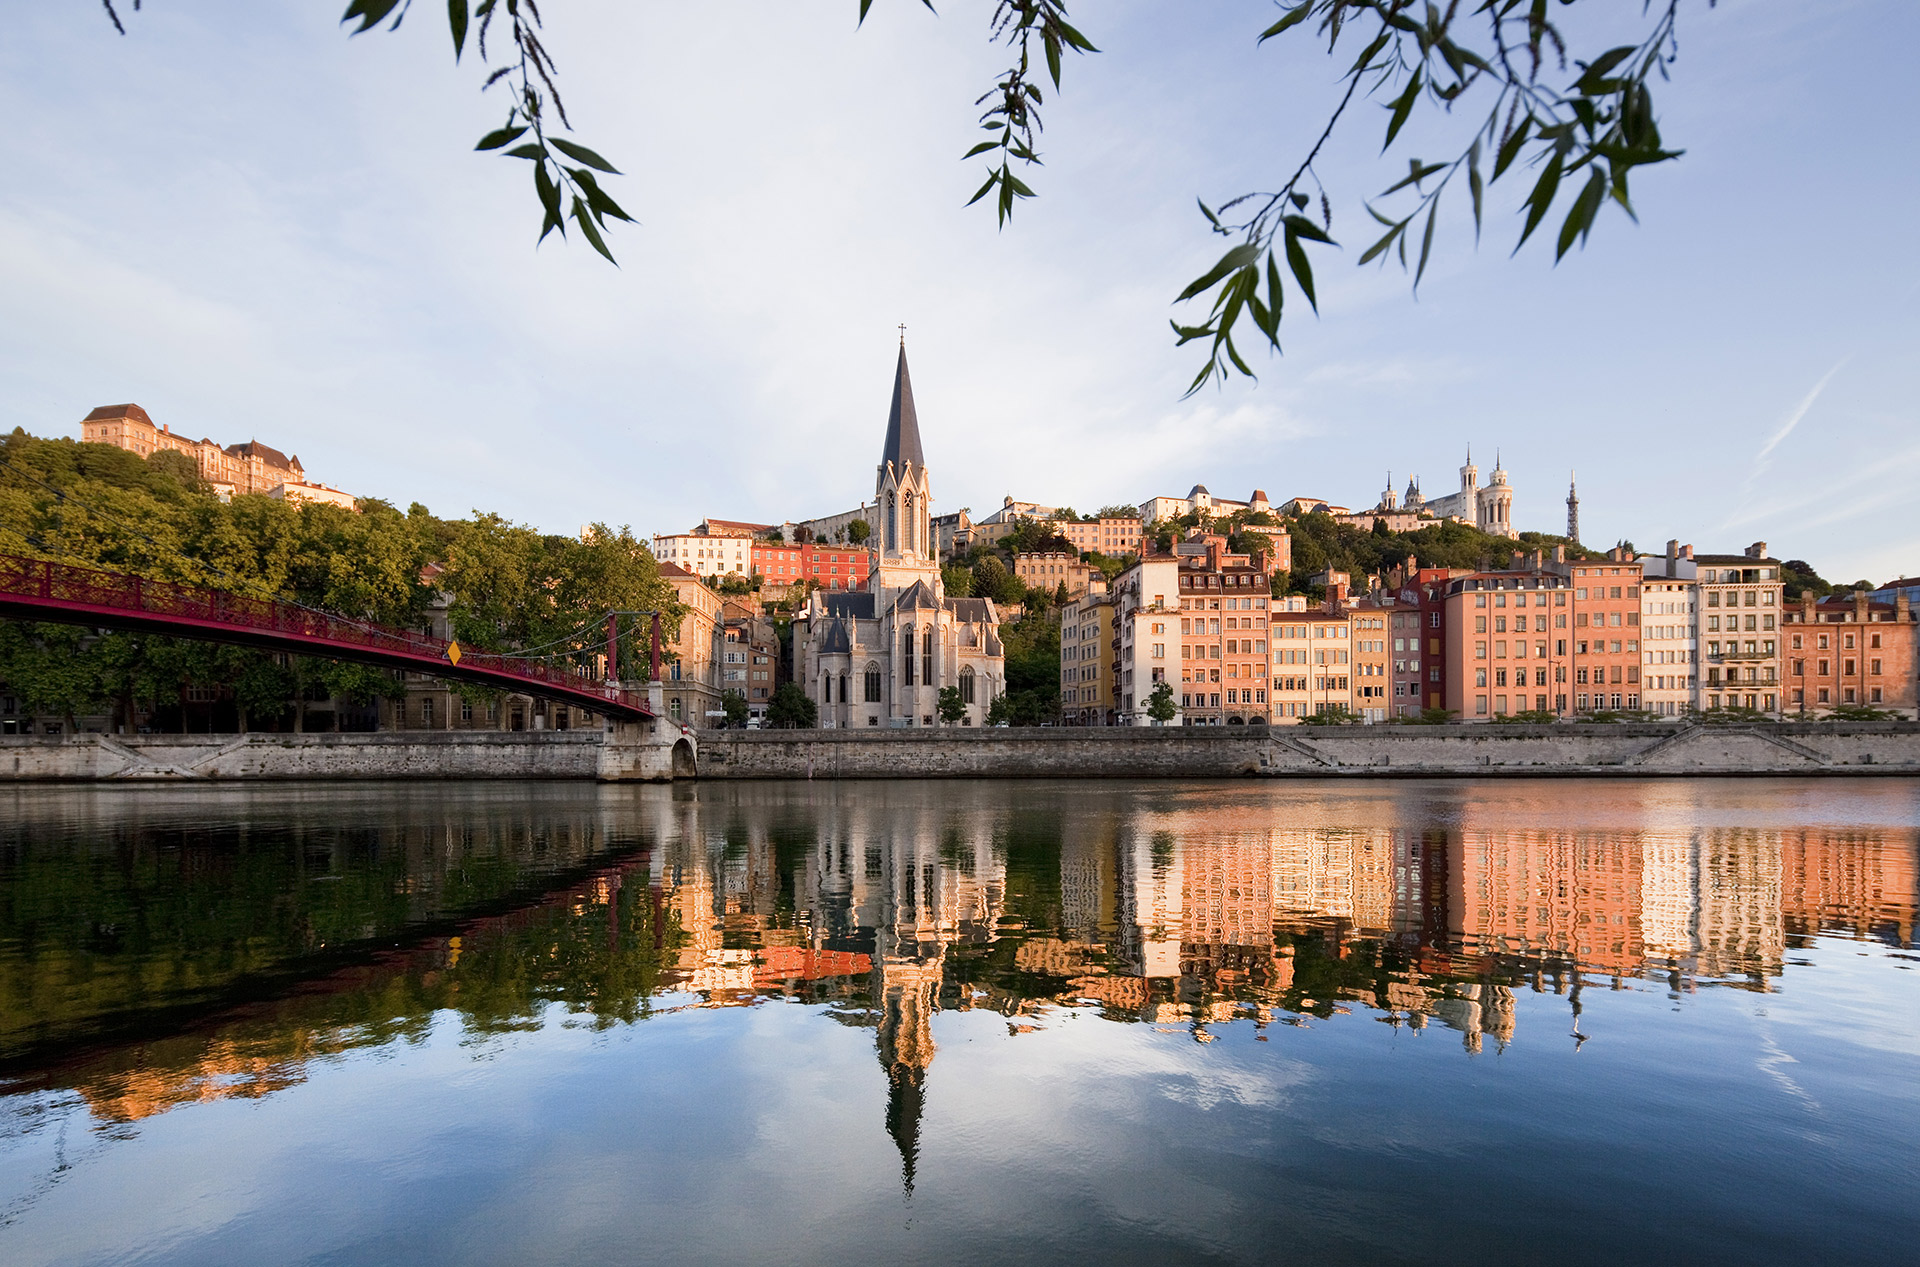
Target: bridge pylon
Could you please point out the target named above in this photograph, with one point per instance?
(654, 749)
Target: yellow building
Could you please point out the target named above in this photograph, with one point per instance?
(1048, 569)
(1089, 693)
(1372, 663)
(692, 679)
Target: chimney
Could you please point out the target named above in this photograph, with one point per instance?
(1539, 560)
(1518, 562)
(1673, 553)
(1758, 550)
(1902, 609)
(1807, 605)
(1559, 554)
(1337, 592)
(1859, 604)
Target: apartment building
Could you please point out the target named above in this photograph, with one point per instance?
(1089, 651)
(1372, 676)
(1740, 604)
(1049, 569)
(1148, 603)
(750, 655)
(1606, 636)
(1508, 639)
(705, 554)
(1224, 605)
(692, 678)
(1312, 662)
(1669, 631)
(1417, 622)
(1849, 650)
(1114, 535)
(783, 565)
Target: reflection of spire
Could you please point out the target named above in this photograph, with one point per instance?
(905, 986)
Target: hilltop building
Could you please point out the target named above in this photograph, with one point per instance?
(238, 469)
(880, 657)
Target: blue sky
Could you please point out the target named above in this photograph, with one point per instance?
(257, 227)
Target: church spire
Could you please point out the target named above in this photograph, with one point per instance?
(903, 426)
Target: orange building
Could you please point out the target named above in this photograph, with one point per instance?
(1224, 604)
(1851, 651)
(829, 567)
(1372, 663)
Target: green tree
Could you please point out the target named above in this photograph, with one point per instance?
(858, 531)
(951, 709)
(791, 709)
(957, 580)
(1331, 715)
(735, 705)
(997, 712)
(1160, 706)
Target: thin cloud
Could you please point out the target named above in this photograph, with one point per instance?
(1793, 419)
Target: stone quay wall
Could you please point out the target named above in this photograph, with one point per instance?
(1852, 748)
(1316, 752)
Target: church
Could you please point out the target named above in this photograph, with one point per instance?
(881, 657)
(1488, 508)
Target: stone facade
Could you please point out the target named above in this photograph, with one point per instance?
(879, 658)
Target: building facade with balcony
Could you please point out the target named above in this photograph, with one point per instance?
(1739, 611)
(1090, 660)
(1669, 631)
(1225, 602)
(1148, 604)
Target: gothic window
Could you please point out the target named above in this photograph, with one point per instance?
(893, 525)
(907, 537)
(906, 656)
(873, 683)
(843, 688)
(926, 662)
(966, 686)
(826, 688)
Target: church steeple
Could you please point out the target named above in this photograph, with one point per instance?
(903, 426)
(902, 494)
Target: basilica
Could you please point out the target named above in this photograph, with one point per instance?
(880, 657)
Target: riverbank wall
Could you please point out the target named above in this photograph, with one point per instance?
(1850, 748)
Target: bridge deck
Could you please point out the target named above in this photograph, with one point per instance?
(32, 589)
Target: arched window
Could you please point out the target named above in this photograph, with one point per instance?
(966, 685)
(906, 656)
(826, 688)
(843, 688)
(926, 662)
(913, 524)
(893, 525)
(873, 684)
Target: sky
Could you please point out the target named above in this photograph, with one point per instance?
(257, 227)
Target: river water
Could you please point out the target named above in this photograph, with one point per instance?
(961, 1022)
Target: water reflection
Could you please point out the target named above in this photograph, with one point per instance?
(165, 949)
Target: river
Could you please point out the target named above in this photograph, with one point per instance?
(960, 1022)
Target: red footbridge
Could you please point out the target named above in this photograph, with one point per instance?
(31, 589)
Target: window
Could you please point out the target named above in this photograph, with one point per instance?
(873, 684)
(966, 686)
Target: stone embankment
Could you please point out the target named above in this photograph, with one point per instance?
(1853, 748)
(1318, 752)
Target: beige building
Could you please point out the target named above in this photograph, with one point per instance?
(692, 679)
(1089, 656)
(1312, 662)
(1669, 631)
(1048, 569)
(1372, 674)
(238, 469)
(1109, 535)
(706, 553)
(1147, 606)
(1740, 635)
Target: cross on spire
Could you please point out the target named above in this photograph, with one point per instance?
(903, 334)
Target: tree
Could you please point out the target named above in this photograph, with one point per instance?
(858, 531)
(1581, 119)
(957, 580)
(1797, 576)
(735, 706)
(1160, 706)
(1331, 715)
(991, 579)
(997, 712)
(1117, 511)
(951, 709)
(790, 708)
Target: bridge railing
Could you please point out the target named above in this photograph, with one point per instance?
(60, 585)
